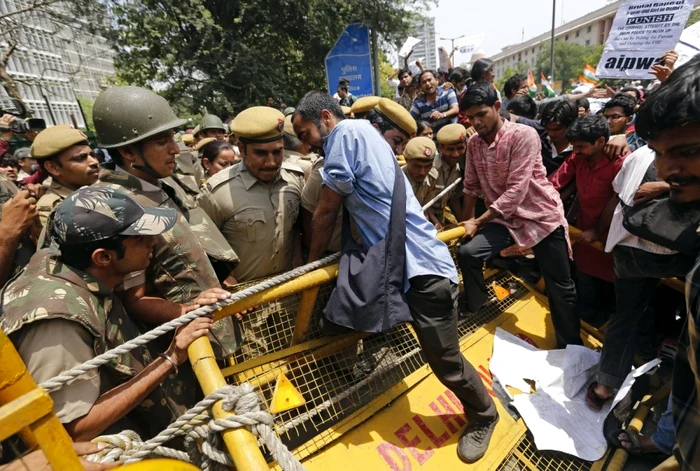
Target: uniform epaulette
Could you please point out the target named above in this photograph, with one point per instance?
(291, 166)
(222, 177)
(434, 172)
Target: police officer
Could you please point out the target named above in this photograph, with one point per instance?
(452, 144)
(296, 152)
(62, 311)
(137, 126)
(419, 154)
(363, 106)
(65, 154)
(187, 174)
(255, 203)
(212, 126)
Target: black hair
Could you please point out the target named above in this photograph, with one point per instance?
(588, 129)
(403, 72)
(630, 88)
(504, 114)
(673, 103)
(343, 81)
(480, 68)
(523, 105)
(624, 101)
(383, 123)
(457, 74)
(583, 103)
(512, 85)
(422, 126)
(426, 71)
(212, 150)
(80, 255)
(291, 142)
(9, 162)
(560, 111)
(480, 93)
(313, 103)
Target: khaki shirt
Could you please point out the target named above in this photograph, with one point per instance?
(256, 218)
(425, 191)
(312, 195)
(305, 162)
(55, 193)
(52, 346)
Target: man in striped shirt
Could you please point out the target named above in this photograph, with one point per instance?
(437, 106)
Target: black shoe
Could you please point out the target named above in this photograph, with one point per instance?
(475, 440)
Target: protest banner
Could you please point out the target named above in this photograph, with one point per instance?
(642, 32)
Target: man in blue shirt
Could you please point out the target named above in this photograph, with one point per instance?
(437, 106)
(359, 173)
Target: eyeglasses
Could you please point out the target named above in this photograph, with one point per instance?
(615, 117)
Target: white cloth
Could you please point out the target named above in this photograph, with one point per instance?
(394, 83)
(626, 184)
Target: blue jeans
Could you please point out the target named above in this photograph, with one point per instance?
(665, 436)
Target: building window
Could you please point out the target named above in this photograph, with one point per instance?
(577, 32)
(533, 50)
(566, 38)
(588, 30)
(588, 42)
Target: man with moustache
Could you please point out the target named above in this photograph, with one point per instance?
(437, 106)
(66, 156)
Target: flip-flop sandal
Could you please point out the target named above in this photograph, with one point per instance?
(593, 400)
(634, 439)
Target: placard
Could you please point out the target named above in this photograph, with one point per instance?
(642, 32)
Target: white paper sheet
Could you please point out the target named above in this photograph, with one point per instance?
(408, 46)
(557, 420)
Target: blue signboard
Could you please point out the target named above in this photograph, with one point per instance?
(351, 59)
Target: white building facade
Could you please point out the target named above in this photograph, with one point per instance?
(427, 48)
(54, 64)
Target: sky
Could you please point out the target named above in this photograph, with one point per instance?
(502, 21)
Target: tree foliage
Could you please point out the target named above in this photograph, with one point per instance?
(225, 55)
(569, 59)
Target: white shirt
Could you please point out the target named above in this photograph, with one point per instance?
(626, 184)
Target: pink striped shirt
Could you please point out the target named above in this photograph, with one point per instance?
(513, 181)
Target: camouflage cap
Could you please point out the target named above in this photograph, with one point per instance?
(452, 134)
(55, 139)
(94, 213)
(422, 148)
(365, 104)
(21, 153)
(258, 124)
(398, 116)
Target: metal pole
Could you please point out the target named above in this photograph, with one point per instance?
(375, 60)
(48, 105)
(551, 47)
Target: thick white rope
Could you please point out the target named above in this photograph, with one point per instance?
(197, 423)
(58, 382)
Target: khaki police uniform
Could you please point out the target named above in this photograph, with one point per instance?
(447, 175)
(310, 198)
(305, 162)
(364, 105)
(421, 148)
(47, 144)
(257, 218)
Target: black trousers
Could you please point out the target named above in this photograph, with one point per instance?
(433, 304)
(637, 274)
(553, 257)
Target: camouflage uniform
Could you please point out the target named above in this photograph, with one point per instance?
(27, 245)
(49, 289)
(180, 269)
(188, 174)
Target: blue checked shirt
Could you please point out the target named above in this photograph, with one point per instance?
(422, 108)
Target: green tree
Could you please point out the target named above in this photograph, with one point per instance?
(693, 18)
(386, 70)
(225, 55)
(569, 60)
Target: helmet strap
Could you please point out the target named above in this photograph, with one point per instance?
(146, 167)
